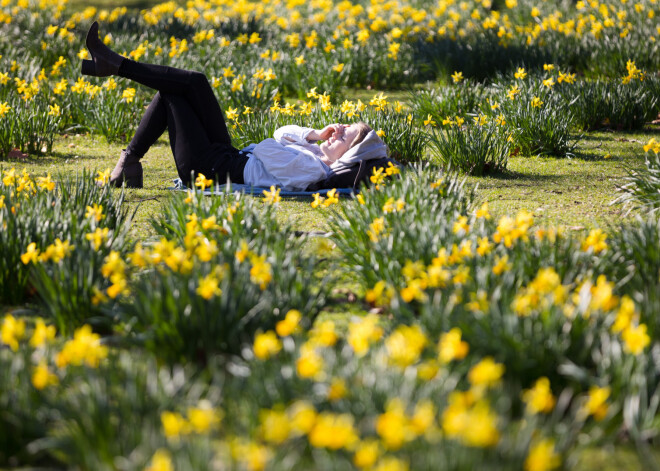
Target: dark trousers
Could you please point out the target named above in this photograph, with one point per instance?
(186, 106)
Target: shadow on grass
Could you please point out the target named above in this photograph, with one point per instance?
(597, 135)
(587, 155)
(615, 134)
(518, 177)
(71, 156)
(647, 128)
(51, 158)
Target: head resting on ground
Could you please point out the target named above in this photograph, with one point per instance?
(365, 144)
(350, 141)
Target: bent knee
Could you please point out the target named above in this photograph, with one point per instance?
(199, 79)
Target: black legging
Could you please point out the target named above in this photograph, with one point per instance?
(186, 105)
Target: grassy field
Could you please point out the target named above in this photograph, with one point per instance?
(576, 193)
(411, 328)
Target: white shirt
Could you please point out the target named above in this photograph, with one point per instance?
(287, 160)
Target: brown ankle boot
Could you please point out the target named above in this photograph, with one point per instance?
(128, 169)
(105, 61)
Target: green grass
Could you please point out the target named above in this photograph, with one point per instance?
(576, 193)
(573, 192)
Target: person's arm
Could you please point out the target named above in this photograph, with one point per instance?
(292, 134)
(293, 169)
(301, 135)
(326, 132)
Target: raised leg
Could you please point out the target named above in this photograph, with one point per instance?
(194, 86)
(193, 150)
(190, 145)
(151, 127)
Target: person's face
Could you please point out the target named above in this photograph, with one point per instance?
(337, 144)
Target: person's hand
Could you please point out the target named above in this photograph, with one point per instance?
(327, 132)
(331, 130)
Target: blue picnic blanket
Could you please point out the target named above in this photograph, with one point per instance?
(255, 190)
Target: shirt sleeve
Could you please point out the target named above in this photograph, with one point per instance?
(292, 134)
(293, 169)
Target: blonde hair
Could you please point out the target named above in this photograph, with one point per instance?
(363, 129)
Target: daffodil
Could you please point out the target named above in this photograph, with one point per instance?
(596, 402)
(635, 338)
(289, 324)
(202, 182)
(12, 331)
(42, 377)
(486, 373)
(331, 198)
(261, 272)
(333, 431)
(309, 363)
(4, 109)
(85, 347)
(266, 345)
(128, 95)
(318, 199)
(272, 196)
(542, 456)
(160, 461)
(539, 398)
(513, 91)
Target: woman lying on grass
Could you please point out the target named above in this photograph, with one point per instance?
(186, 106)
